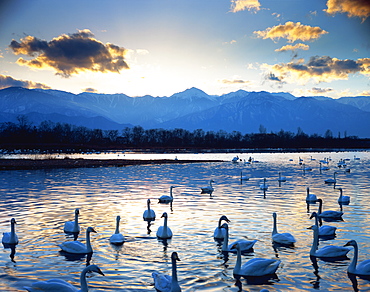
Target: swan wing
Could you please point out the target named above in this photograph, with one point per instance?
(162, 282)
(73, 247)
(117, 238)
(165, 198)
(69, 227)
(244, 245)
(363, 268)
(162, 233)
(332, 251)
(331, 214)
(53, 285)
(283, 238)
(326, 230)
(7, 238)
(219, 233)
(259, 267)
(149, 215)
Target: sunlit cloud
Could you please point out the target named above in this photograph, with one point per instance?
(292, 32)
(90, 90)
(71, 54)
(353, 8)
(365, 93)
(240, 5)
(229, 43)
(8, 81)
(235, 81)
(320, 69)
(293, 48)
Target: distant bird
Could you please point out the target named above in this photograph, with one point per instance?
(244, 245)
(343, 199)
(166, 283)
(165, 198)
(164, 232)
(281, 178)
(58, 285)
(77, 247)
(117, 238)
(219, 231)
(324, 230)
(10, 237)
(329, 214)
(363, 268)
(264, 186)
(149, 214)
(281, 238)
(310, 198)
(331, 180)
(72, 226)
(208, 189)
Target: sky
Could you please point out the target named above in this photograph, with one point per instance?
(161, 47)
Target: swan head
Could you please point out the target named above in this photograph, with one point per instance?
(313, 227)
(308, 190)
(172, 187)
(274, 215)
(235, 246)
(340, 189)
(319, 201)
(90, 229)
(12, 221)
(175, 256)
(223, 217)
(313, 215)
(212, 181)
(351, 243)
(77, 211)
(118, 218)
(95, 268)
(164, 215)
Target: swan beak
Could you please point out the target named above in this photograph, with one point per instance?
(309, 227)
(100, 272)
(93, 230)
(233, 246)
(347, 244)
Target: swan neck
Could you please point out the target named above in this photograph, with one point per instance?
(88, 243)
(353, 264)
(171, 193)
(238, 263)
(274, 229)
(12, 232)
(225, 244)
(83, 281)
(315, 242)
(148, 204)
(75, 227)
(320, 208)
(174, 271)
(117, 227)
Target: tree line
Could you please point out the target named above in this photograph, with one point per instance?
(48, 135)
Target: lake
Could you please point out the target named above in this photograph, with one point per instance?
(41, 201)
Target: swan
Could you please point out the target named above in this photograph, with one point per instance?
(235, 159)
(324, 230)
(310, 198)
(243, 177)
(281, 178)
(331, 180)
(164, 232)
(56, 285)
(166, 283)
(264, 186)
(117, 238)
(281, 238)
(165, 198)
(220, 232)
(244, 245)
(329, 251)
(78, 247)
(10, 237)
(254, 267)
(208, 189)
(149, 214)
(329, 214)
(72, 226)
(363, 269)
(343, 199)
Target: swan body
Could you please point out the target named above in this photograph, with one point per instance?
(281, 238)
(166, 283)
(324, 230)
(77, 247)
(164, 232)
(310, 198)
(219, 231)
(208, 189)
(243, 245)
(281, 178)
(58, 285)
(343, 199)
(363, 268)
(329, 214)
(167, 198)
(329, 251)
(255, 267)
(73, 226)
(331, 180)
(243, 177)
(264, 186)
(149, 214)
(117, 238)
(10, 237)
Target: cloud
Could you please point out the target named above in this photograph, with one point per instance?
(272, 77)
(317, 90)
(240, 5)
(90, 89)
(320, 69)
(8, 81)
(354, 8)
(365, 93)
(293, 48)
(71, 54)
(235, 81)
(292, 32)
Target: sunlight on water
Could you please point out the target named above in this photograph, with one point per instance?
(41, 201)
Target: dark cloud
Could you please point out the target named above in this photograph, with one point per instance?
(272, 77)
(8, 81)
(317, 90)
(90, 89)
(71, 54)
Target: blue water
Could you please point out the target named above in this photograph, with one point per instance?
(42, 200)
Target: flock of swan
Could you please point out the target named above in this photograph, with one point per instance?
(255, 267)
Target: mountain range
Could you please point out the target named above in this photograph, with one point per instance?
(192, 109)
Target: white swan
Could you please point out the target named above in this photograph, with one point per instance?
(58, 285)
(78, 247)
(331, 180)
(343, 199)
(10, 237)
(310, 198)
(219, 232)
(117, 238)
(281, 178)
(281, 238)
(149, 214)
(243, 177)
(244, 245)
(329, 214)
(329, 251)
(72, 226)
(166, 283)
(264, 186)
(255, 267)
(167, 198)
(208, 189)
(164, 232)
(324, 230)
(363, 268)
